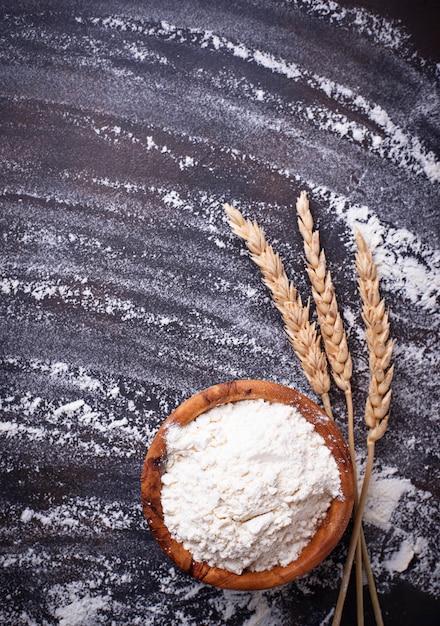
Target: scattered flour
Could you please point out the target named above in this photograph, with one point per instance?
(81, 612)
(405, 263)
(274, 493)
(383, 31)
(404, 149)
(383, 498)
(400, 560)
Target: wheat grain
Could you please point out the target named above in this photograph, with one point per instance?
(323, 291)
(301, 334)
(380, 349)
(336, 347)
(380, 346)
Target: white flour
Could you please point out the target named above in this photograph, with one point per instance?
(246, 485)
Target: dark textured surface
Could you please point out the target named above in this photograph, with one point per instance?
(124, 126)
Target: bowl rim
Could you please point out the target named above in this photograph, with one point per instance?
(329, 532)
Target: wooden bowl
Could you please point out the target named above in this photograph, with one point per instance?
(327, 535)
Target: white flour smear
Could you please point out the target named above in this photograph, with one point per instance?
(395, 144)
(406, 265)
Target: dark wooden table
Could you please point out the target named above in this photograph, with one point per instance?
(124, 126)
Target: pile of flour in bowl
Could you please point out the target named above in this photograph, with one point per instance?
(247, 484)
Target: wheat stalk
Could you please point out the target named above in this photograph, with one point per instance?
(336, 347)
(301, 333)
(380, 349)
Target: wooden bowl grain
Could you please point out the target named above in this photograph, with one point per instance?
(328, 534)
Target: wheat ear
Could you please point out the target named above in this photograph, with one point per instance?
(323, 291)
(380, 349)
(336, 347)
(301, 333)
